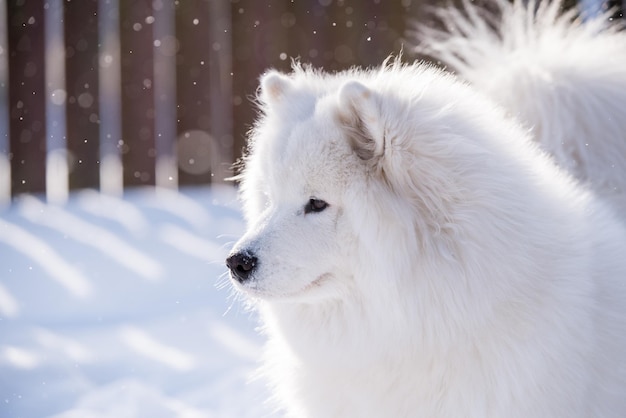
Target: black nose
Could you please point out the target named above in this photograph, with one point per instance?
(241, 265)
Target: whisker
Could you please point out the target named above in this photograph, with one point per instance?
(233, 236)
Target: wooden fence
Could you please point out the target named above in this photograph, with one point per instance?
(113, 93)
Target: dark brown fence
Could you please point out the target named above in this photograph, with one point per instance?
(113, 93)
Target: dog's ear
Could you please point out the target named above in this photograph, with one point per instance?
(274, 87)
(359, 114)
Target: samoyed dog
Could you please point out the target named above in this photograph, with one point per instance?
(414, 251)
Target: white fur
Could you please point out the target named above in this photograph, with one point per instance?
(457, 272)
(564, 79)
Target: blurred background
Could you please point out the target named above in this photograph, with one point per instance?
(119, 121)
(107, 94)
(113, 93)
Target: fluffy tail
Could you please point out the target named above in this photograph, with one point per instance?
(564, 78)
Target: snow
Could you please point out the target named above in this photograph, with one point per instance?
(120, 307)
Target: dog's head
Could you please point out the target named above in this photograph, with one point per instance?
(348, 176)
(293, 188)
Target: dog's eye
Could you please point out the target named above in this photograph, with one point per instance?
(315, 205)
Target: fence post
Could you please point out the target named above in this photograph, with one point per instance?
(81, 80)
(110, 91)
(220, 81)
(137, 59)
(57, 180)
(5, 164)
(27, 89)
(165, 48)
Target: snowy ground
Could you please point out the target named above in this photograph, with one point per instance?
(113, 308)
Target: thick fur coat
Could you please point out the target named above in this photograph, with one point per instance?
(564, 79)
(413, 252)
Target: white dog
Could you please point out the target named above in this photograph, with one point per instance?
(413, 253)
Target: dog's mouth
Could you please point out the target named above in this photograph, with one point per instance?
(319, 282)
